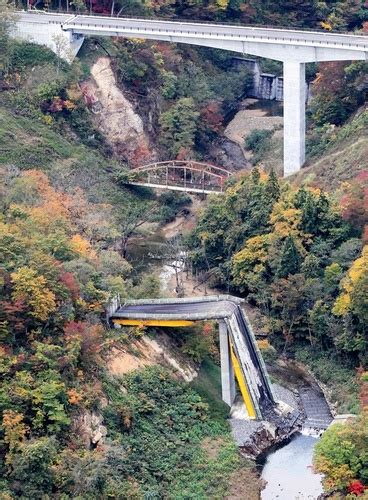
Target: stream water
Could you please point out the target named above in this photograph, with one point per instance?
(288, 471)
(148, 255)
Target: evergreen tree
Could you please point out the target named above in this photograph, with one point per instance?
(178, 126)
(273, 186)
(300, 197)
(309, 215)
(256, 176)
(290, 259)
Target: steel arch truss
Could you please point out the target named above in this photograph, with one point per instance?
(190, 176)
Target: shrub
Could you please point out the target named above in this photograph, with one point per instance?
(341, 454)
(258, 141)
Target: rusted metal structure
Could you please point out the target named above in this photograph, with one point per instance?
(180, 175)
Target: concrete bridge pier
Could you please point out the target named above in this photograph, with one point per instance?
(227, 370)
(294, 116)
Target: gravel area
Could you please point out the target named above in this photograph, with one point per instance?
(286, 395)
(247, 120)
(244, 430)
(243, 124)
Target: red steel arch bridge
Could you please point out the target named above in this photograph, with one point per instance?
(181, 175)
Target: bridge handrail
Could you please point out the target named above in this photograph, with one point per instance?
(174, 300)
(181, 164)
(199, 21)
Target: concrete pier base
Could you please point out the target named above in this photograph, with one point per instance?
(294, 116)
(227, 370)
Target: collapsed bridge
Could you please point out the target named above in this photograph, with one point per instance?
(240, 356)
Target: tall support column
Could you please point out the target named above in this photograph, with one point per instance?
(227, 370)
(294, 116)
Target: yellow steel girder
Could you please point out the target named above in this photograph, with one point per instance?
(152, 322)
(178, 323)
(243, 386)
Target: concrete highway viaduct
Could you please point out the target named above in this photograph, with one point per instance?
(294, 48)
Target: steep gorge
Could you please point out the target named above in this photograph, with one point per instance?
(62, 238)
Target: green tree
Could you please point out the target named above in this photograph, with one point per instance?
(31, 472)
(148, 288)
(332, 276)
(178, 126)
(258, 141)
(290, 259)
(319, 318)
(272, 186)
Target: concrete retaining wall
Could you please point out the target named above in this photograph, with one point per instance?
(64, 43)
(265, 85)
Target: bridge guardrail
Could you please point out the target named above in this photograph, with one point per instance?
(163, 18)
(207, 298)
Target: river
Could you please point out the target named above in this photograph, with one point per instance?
(288, 472)
(287, 468)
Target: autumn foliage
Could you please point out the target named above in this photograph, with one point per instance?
(53, 286)
(341, 452)
(297, 254)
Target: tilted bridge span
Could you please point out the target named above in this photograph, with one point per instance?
(240, 356)
(189, 176)
(293, 47)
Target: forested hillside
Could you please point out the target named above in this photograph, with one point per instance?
(297, 252)
(300, 256)
(65, 222)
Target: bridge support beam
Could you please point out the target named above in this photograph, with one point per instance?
(227, 370)
(294, 116)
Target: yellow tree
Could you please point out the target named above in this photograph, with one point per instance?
(251, 259)
(31, 288)
(15, 430)
(354, 295)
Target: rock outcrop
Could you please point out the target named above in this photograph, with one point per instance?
(114, 115)
(88, 425)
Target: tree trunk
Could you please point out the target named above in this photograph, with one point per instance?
(124, 246)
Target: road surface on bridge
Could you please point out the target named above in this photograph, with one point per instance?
(172, 311)
(85, 23)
